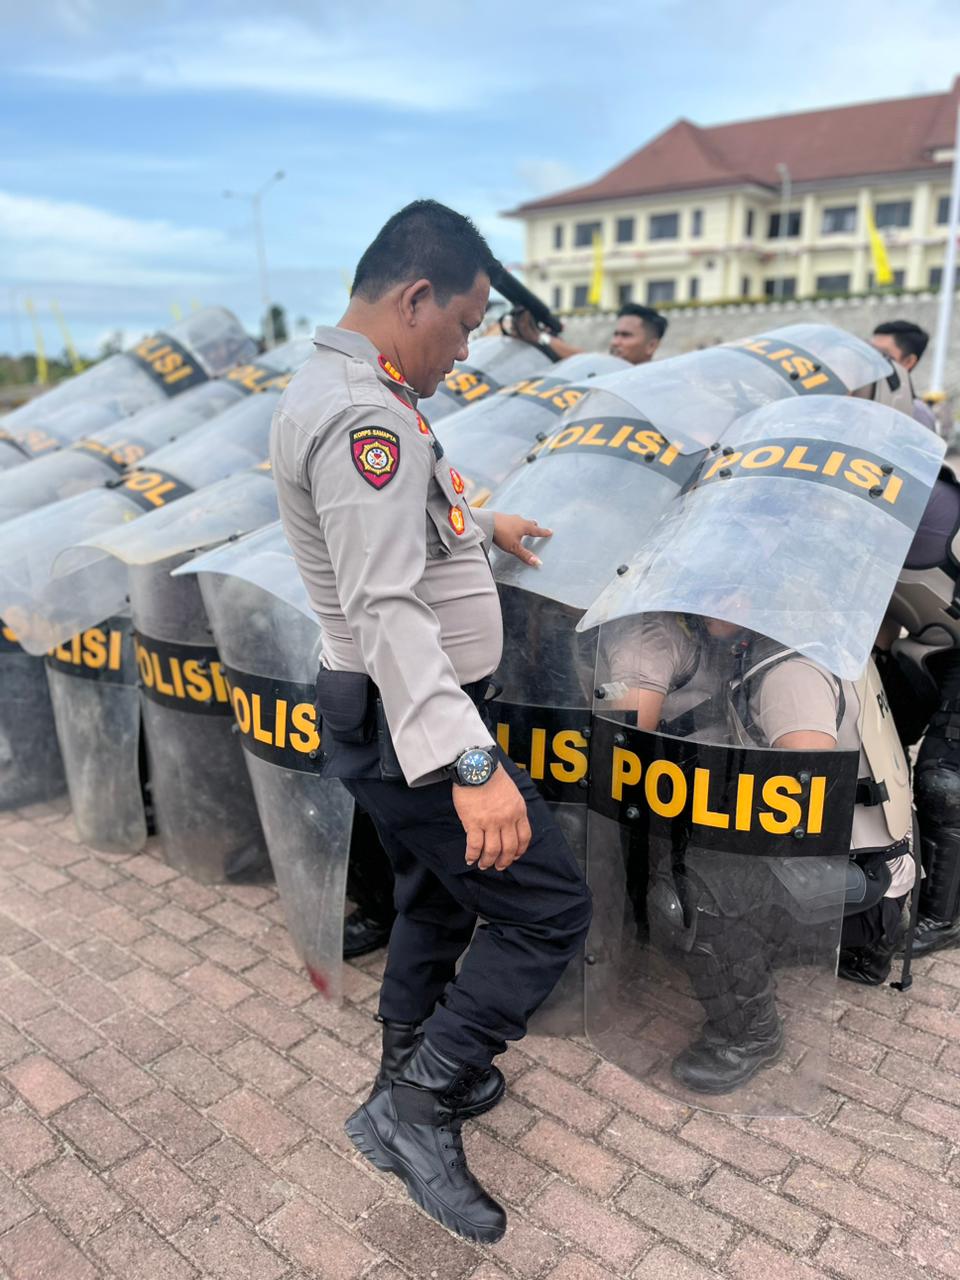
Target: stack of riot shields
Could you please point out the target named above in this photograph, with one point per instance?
(150, 381)
(159, 367)
(496, 361)
(59, 581)
(269, 644)
(615, 460)
(490, 439)
(720, 810)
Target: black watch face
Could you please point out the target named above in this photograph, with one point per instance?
(474, 767)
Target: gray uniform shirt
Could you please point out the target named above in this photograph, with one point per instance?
(391, 555)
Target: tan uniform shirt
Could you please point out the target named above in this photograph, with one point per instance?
(657, 652)
(390, 553)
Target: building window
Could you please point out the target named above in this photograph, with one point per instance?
(748, 224)
(839, 219)
(696, 224)
(557, 297)
(893, 213)
(936, 278)
(693, 288)
(784, 226)
(626, 230)
(661, 291)
(664, 226)
(583, 233)
(558, 235)
(833, 284)
(943, 211)
(580, 294)
(780, 287)
(624, 294)
(895, 283)
(745, 287)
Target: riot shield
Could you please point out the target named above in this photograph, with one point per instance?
(489, 440)
(55, 580)
(269, 641)
(817, 359)
(718, 862)
(104, 454)
(206, 815)
(494, 361)
(204, 345)
(92, 680)
(796, 526)
(31, 769)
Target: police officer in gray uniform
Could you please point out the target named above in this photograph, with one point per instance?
(394, 562)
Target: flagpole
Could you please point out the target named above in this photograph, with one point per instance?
(948, 280)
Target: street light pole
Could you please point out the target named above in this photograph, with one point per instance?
(256, 205)
(785, 190)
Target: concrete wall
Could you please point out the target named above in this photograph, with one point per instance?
(702, 326)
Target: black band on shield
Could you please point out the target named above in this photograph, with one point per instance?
(277, 720)
(184, 677)
(168, 363)
(804, 371)
(763, 803)
(466, 385)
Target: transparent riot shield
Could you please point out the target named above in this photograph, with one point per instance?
(490, 439)
(31, 769)
(204, 345)
(718, 861)
(494, 361)
(55, 578)
(206, 814)
(92, 680)
(542, 719)
(796, 526)
(102, 455)
(269, 642)
(817, 359)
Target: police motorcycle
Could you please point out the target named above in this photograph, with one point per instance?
(269, 641)
(59, 611)
(617, 459)
(732, 846)
(93, 459)
(164, 365)
(492, 438)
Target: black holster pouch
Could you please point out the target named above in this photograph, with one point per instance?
(347, 717)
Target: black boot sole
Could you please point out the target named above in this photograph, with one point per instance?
(729, 1086)
(365, 1138)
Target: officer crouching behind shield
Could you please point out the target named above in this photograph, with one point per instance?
(732, 919)
(394, 562)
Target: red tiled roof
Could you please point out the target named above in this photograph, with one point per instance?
(898, 135)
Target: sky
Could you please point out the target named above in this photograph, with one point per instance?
(122, 125)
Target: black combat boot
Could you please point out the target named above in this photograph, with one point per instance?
(868, 965)
(723, 1059)
(363, 934)
(400, 1039)
(412, 1128)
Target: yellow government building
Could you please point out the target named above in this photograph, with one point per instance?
(775, 208)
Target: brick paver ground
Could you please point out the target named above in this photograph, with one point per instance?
(172, 1095)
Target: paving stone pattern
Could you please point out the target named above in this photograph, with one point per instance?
(173, 1091)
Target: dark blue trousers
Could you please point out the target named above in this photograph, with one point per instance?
(518, 928)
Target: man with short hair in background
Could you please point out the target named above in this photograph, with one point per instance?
(905, 342)
(635, 338)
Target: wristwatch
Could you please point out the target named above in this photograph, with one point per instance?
(473, 767)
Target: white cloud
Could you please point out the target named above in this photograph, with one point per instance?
(43, 239)
(542, 176)
(282, 57)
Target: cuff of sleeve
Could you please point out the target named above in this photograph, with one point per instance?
(485, 520)
(444, 747)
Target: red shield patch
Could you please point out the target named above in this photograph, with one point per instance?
(457, 521)
(456, 480)
(376, 454)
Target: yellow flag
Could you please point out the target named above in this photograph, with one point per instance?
(38, 342)
(176, 311)
(878, 251)
(75, 361)
(596, 280)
